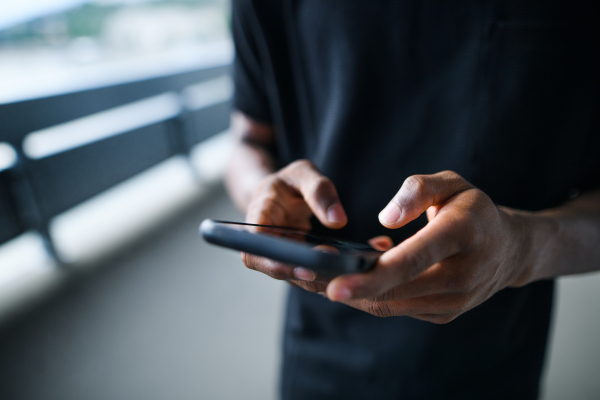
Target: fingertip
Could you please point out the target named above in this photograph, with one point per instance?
(304, 274)
(338, 292)
(336, 215)
(381, 243)
(343, 287)
(244, 257)
(390, 215)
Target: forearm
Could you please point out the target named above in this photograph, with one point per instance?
(561, 241)
(251, 159)
(248, 166)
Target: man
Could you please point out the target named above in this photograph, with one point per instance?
(361, 116)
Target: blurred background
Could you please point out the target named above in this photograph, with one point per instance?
(114, 120)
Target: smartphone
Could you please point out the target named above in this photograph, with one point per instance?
(298, 247)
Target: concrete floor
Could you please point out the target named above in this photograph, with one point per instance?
(175, 318)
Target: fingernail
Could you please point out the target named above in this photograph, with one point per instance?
(390, 214)
(335, 213)
(304, 274)
(341, 294)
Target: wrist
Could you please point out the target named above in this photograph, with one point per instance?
(532, 235)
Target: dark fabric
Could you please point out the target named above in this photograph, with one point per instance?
(506, 93)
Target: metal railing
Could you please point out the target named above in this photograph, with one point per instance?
(59, 151)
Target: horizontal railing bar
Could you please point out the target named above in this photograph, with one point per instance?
(207, 93)
(101, 125)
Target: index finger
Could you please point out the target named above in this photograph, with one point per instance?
(281, 271)
(318, 192)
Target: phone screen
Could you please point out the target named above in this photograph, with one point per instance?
(321, 242)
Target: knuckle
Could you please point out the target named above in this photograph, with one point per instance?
(415, 185)
(379, 309)
(456, 282)
(448, 174)
(460, 183)
(300, 164)
(321, 187)
(268, 183)
(416, 262)
(268, 267)
(275, 187)
(461, 283)
(279, 272)
(313, 287)
(464, 234)
(386, 296)
(269, 204)
(479, 197)
(323, 279)
(270, 187)
(267, 212)
(468, 236)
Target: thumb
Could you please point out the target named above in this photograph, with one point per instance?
(418, 193)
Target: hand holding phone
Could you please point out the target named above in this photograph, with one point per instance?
(290, 197)
(323, 254)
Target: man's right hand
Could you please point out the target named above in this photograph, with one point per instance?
(290, 197)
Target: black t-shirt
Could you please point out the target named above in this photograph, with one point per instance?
(506, 93)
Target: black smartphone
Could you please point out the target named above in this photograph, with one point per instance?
(319, 253)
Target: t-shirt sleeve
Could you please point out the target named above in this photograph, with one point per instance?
(250, 94)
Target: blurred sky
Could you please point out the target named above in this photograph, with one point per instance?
(13, 12)
(16, 12)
